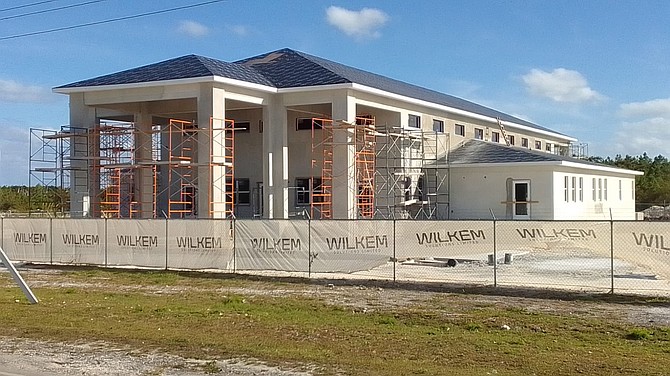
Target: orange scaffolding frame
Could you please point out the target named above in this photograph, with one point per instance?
(365, 143)
(222, 167)
(181, 179)
(321, 195)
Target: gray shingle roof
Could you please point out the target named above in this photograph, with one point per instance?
(478, 151)
(189, 66)
(287, 68)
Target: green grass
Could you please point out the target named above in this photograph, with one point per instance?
(450, 334)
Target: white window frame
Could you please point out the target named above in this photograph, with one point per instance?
(581, 189)
(479, 133)
(600, 189)
(595, 188)
(414, 121)
(459, 129)
(574, 189)
(438, 125)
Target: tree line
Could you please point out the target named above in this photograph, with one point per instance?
(23, 199)
(651, 188)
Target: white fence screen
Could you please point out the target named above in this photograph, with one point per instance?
(272, 245)
(137, 242)
(350, 246)
(444, 240)
(78, 241)
(200, 244)
(646, 244)
(593, 255)
(27, 239)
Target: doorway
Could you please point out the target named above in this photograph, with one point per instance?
(521, 193)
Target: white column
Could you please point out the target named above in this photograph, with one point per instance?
(211, 182)
(84, 182)
(344, 167)
(275, 159)
(144, 182)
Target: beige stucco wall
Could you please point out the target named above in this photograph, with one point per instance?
(475, 191)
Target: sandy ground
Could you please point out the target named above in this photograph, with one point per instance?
(546, 282)
(34, 358)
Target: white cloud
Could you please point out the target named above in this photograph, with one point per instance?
(646, 129)
(364, 23)
(561, 85)
(12, 91)
(652, 108)
(239, 30)
(193, 29)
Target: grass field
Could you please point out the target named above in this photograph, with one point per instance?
(338, 329)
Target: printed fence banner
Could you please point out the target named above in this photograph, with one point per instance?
(272, 245)
(78, 241)
(553, 235)
(136, 242)
(441, 240)
(644, 244)
(349, 246)
(200, 244)
(27, 239)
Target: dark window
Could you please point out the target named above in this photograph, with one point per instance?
(303, 192)
(524, 142)
(460, 129)
(479, 133)
(242, 126)
(495, 137)
(242, 191)
(306, 124)
(438, 126)
(511, 139)
(538, 145)
(548, 147)
(414, 121)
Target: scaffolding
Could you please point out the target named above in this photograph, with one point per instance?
(131, 173)
(222, 168)
(321, 192)
(52, 163)
(365, 158)
(411, 174)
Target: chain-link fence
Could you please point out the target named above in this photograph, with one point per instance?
(594, 256)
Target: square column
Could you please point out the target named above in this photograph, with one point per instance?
(275, 160)
(211, 152)
(144, 173)
(344, 164)
(84, 180)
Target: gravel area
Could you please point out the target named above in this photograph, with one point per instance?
(35, 358)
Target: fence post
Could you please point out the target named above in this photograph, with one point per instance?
(106, 241)
(309, 247)
(233, 228)
(51, 241)
(167, 241)
(612, 251)
(495, 251)
(395, 261)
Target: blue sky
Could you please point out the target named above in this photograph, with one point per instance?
(597, 70)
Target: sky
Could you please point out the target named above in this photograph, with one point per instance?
(596, 70)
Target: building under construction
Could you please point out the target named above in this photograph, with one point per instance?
(280, 135)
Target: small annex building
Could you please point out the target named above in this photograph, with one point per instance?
(288, 134)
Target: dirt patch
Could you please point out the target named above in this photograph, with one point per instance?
(20, 356)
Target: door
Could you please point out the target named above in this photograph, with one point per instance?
(521, 192)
